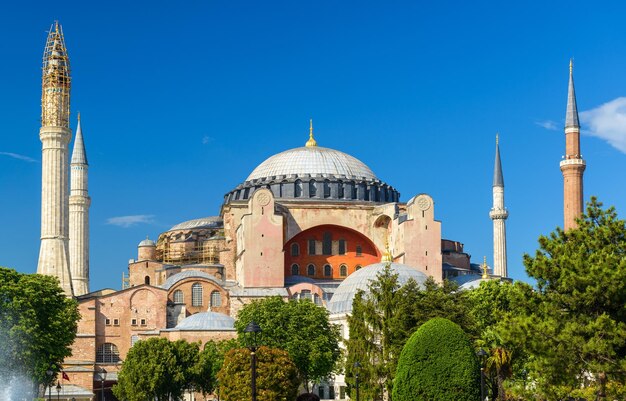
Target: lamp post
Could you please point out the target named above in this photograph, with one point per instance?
(58, 391)
(103, 377)
(482, 354)
(357, 368)
(252, 332)
(49, 373)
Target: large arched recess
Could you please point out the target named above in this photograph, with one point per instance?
(351, 258)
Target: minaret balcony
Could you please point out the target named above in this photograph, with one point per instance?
(498, 214)
(572, 162)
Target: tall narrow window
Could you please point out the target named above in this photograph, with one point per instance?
(146, 280)
(298, 189)
(311, 270)
(295, 249)
(133, 339)
(326, 189)
(327, 244)
(342, 246)
(343, 270)
(328, 270)
(179, 298)
(340, 190)
(216, 299)
(196, 294)
(295, 270)
(107, 353)
(359, 250)
(311, 247)
(312, 189)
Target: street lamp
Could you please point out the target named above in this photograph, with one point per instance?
(103, 377)
(252, 333)
(357, 368)
(482, 354)
(58, 391)
(49, 373)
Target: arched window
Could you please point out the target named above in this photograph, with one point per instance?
(107, 353)
(312, 189)
(295, 249)
(216, 299)
(358, 267)
(146, 280)
(343, 270)
(306, 294)
(311, 270)
(298, 189)
(340, 190)
(328, 271)
(326, 189)
(196, 294)
(327, 244)
(317, 300)
(179, 298)
(295, 270)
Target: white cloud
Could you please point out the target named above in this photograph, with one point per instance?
(548, 124)
(608, 122)
(206, 139)
(129, 221)
(19, 157)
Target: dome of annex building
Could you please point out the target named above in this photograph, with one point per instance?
(315, 172)
(209, 321)
(341, 302)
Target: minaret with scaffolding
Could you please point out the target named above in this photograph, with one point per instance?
(79, 215)
(55, 136)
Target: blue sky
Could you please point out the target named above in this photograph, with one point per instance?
(181, 100)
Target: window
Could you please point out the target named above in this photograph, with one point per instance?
(295, 270)
(342, 246)
(326, 189)
(312, 189)
(116, 322)
(317, 300)
(133, 322)
(298, 189)
(107, 321)
(358, 267)
(320, 392)
(328, 271)
(146, 280)
(216, 299)
(327, 244)
(340, 190)
(342, 392)
(107, 353)
(295, 250)
(311, 247)
(179, 298)
(133, 340)
(359, 250)
(196, 294)
(143, 322)
(311, 270)
(343, 270)
(306, 294)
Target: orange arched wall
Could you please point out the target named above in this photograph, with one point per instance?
(369, 253)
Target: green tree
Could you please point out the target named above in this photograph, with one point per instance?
(209, 364)
(383, 319)
(158, 369)
(574, 324)
(277, 376)
(38, 325)
(299, 327)
(437, 363)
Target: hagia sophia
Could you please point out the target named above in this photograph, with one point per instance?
(307, 223)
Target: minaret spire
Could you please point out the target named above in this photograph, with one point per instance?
(499, 214)
(79, 203)
(55, 136)
(573, 165)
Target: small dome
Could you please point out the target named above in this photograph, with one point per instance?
(341, 302)
(311, 160)
(207, 321)
(472, 284)
(147, 242)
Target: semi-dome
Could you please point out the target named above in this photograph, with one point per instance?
(204, 222)
(311, 160)
(207, 321)
(341, 302)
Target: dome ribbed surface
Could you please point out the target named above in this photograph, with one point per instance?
(310, 161)
(207, 321)
(204, 222)
(341, 302)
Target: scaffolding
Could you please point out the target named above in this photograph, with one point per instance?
(55, 81)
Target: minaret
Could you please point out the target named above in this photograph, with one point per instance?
(79, 216)
(55, 137)
(499, 215)
(573, 164)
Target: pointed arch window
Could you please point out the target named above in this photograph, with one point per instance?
(196, 294)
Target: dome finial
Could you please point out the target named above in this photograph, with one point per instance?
(311, 141)
(484, 268)
(387, 257)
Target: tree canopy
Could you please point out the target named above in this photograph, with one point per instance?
(299, 327)
(38, 325)
(277, 376)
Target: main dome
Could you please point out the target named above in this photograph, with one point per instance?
(312, 160)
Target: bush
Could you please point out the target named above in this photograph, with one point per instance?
(437, 363)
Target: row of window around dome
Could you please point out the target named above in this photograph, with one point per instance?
(311, 270)
(319, 188)
(197, 296)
